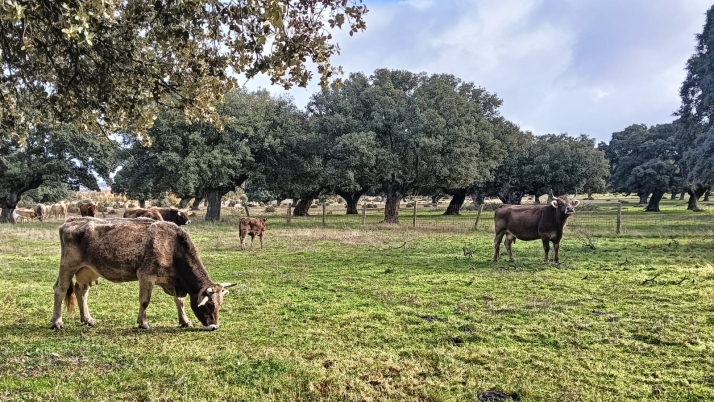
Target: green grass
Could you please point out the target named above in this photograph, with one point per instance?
(378, 314)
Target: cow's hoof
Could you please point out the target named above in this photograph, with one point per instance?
(144, 326)
(57, 326)
(90, 322)
(185, 324)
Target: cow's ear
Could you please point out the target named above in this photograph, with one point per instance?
(554, 203)
(576, 203)
(225, 292)
(265, 219)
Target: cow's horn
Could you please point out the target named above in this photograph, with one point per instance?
(204, 301)
(228, 284)
(209, 291)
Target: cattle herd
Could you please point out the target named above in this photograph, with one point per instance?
(148, 246)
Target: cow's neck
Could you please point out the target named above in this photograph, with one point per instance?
(190, 272)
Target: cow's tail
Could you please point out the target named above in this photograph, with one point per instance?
(70, 300)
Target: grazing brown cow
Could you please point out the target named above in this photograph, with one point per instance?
(25, 214)
(87, 209)
(41, 212)
(58, 210)
(123, 250)
(143, 213)
(253, 227)
(532, 222)
(177, 216)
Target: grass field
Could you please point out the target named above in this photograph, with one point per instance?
(378, 314)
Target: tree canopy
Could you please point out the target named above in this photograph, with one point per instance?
(110, 65)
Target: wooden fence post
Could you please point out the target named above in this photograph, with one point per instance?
(414, 216)
(324, 213)
(478, 216)
(619, 217)
(290, 212)
(247, 212)
(364, 213)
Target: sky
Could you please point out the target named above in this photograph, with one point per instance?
(588, 67)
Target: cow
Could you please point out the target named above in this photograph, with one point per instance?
(25, 214)
(253, 227)
(87, 209)
(58, 210)
(143, 213)
(532, 222)
(123, 250)
(177, 216)
(41, 212)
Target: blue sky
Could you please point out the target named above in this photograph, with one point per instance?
(576, 66)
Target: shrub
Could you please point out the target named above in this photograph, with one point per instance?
(371, 205)
(313, 206)
(377, 199)
(112, 212)
(270, 209)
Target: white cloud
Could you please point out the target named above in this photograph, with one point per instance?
(585, 66)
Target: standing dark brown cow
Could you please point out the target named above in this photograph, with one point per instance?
(533, 222)
(87, 209)
(177, 216)
(253, 227)
(123, 250)
(41, 212)
(143, 213)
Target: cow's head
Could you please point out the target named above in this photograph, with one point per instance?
(183, 216)
(565, 205)
(91, 209)
(207, 302)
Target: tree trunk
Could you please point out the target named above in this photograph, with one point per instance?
(551, 197)
(391, 205)
(302, 207)
(9, 203)
(213, 210)
(681, 195)
(477, 197)
(184, 202)
(643, 197)
(352, 199)
(196, 203)
(694, 196)
(435, 198)
(536, 199)
(6, 215)
(142, 203)
(674, 196)
(653, 205)
(510, 195)
(458, 197)
(706, 196)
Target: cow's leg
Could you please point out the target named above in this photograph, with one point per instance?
(556, 249)
(252, 237)
(242, 241)
(546, 248)
(82, 292)
(509, 241)
(497, 246)
(183, 318)
(64, 281)
(261, 241)
(146, 285)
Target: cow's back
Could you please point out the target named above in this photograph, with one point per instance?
(114, 248)
(252, 225)
(143, 213)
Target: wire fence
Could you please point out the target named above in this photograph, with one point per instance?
(593, 218)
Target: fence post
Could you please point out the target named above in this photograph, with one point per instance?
(478, 216)
(619, 217)
(290, 212)
(364, 213)
(414, 216)
(324, 212)
(247, 212)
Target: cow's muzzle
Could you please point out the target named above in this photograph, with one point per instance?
(211, 327)
(569, 210)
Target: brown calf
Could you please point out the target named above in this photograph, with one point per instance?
(253, 227)
(533, 222)
(143, 213)
(87, 209)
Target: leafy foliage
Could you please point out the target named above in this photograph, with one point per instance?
(114, 64)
